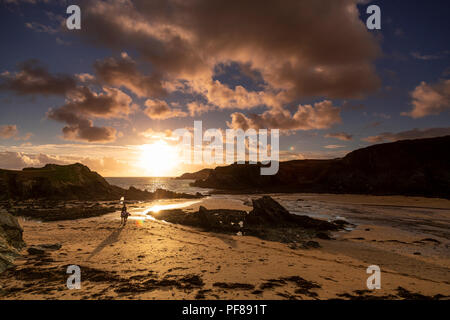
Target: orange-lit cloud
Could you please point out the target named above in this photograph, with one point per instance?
(322, 115)
(430, 99)
(159, 109)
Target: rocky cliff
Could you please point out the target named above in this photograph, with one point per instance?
(199, 175)
(410, 167)
(69, 182)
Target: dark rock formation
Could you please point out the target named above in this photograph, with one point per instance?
(268, 220)
(220, 220)
(199, 175)
(81, 211)
(43, 248)
(268, 212)
(10, 239)
(410, 167)
(70, 182)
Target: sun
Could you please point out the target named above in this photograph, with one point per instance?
(158, 159)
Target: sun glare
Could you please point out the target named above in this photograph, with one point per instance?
(158, 159)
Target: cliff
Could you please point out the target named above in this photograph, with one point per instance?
(69, 182)
(410, 167)
(199, 175)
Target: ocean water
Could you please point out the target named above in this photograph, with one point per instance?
(312, 205)
(153, 183)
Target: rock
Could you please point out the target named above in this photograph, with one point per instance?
(35, 251)
(206, 220)
(267, 211)
(340, 222)
(268, 220)
(55, 246)
(199, 175)
(311, 244)
(10, 239)
(11, 229)
(323, 235)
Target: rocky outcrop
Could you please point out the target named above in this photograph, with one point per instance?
(199, 175)
(411, 167)
(268, 220)
(70, 182)
(268, 212)
(10, 239)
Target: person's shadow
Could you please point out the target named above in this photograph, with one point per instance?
(113, 237)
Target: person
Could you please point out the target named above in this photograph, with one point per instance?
(124, 215)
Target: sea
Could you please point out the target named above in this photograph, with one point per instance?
(314, 209)
(153, 183)
(311, 205)
(311, 208)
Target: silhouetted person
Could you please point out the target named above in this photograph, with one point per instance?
(124, 215)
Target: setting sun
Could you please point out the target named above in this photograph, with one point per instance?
(158, 159)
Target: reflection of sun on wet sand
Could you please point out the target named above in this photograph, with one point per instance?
(152, 259)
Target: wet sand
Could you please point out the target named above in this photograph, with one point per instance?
(407, 237)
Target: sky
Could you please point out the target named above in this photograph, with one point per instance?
(111, 94)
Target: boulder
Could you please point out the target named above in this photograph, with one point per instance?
(267, 211)
(10, 239)
(35, 251)
(51, 246)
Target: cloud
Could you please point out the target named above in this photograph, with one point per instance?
(84, 103)
(81, 102)
(15, 160)
(39, 27)
(333, 146)
(159, 109)
(80, 128)
(238, 98)
(123, 72)
(112, 103)
(381, 115)
(430, 99)
(410, 134)
(322, 115)
(440, 55)
(34, 78)
(339, 135)
(197, 108)
(108, 166)
(85, 77)
(8, 131)
(286, 44)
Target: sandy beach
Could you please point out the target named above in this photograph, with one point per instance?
(407, 237)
